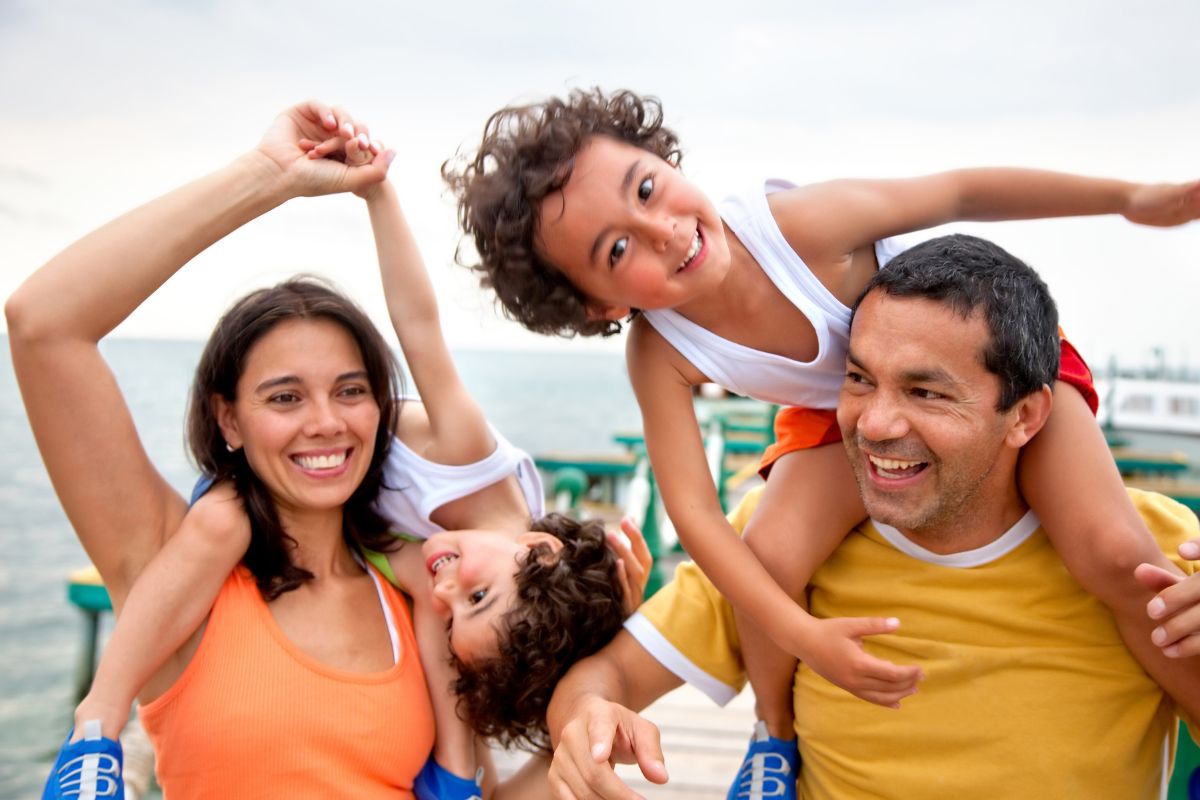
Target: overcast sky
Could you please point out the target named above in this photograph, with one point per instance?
(106, 104)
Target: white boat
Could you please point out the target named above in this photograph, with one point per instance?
(1149, 404)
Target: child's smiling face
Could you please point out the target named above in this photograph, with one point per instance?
(629, 231)
(473, 575)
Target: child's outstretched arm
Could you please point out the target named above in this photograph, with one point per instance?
(167, 604)
(662, 381)
(460, 431)
(841, 216)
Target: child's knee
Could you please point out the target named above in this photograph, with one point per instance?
(218, 521)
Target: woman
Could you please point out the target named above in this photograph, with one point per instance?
(304, 680)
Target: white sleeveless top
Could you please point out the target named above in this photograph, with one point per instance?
(767, 376)
(414, 487)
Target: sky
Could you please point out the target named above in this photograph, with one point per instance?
(108, 104)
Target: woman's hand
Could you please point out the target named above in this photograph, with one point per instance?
(320, 149)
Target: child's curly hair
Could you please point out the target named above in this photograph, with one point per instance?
(568, 605)
(527, 153)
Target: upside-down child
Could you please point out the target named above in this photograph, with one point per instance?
(581, 217)
(477, 548)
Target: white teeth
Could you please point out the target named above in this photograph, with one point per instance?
(893, 465)
(692, 251)
(322, 462)
(441, 562)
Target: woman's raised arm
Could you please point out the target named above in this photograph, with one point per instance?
(120, 506)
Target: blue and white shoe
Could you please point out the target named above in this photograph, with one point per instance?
(435, 783)
(88, 769)
(769, 770)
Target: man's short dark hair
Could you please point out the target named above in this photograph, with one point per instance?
(968, 274)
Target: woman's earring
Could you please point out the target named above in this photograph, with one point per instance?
(229, 448)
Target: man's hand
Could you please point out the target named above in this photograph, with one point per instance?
(1176, 606)
(599, 734)
(835, 652)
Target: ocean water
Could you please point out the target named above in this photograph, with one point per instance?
(540, 401)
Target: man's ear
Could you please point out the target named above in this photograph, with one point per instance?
(598, 312)
(223, 410)
(1029, 415)
(532, 539)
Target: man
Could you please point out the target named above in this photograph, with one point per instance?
(1028, 689)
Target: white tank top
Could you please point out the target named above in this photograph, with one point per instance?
(414, 487)
(767, 376)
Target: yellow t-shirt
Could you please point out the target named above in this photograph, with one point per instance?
(1029, 691)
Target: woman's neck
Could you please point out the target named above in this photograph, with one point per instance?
(319, 547)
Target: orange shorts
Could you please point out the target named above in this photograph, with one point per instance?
(799, 428)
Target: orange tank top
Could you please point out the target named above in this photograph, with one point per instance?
(252, 716)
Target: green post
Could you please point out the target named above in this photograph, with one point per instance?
(1185, 776)
(653, 537)
(86, 667)
(570, 485)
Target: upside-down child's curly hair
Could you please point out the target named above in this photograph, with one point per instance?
(568, 605)
(527, 154)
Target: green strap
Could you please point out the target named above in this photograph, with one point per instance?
(380, 560)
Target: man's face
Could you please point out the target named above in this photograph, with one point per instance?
(931, 454)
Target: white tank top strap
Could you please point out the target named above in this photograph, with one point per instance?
(388, 616)
(754, 373)
(414, 487)
(749, 216)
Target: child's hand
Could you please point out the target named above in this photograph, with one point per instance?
(317, 150)
(1164, 204)
(357, 151)
(633, 563)
(839, 658)
(1176, 607)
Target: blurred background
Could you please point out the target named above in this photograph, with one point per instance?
(105, 105)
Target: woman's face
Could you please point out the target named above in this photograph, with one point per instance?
(304, 414)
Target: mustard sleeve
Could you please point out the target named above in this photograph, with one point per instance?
(689, 628)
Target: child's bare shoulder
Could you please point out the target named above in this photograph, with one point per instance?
(812, 220)
(647, 352)
(801, 214)
(408, 567)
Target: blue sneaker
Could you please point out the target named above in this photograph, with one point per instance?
(770, 768)
(87, 769)
(435, 783)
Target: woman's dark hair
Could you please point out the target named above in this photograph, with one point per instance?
(527, 154)
(221, 365)
(568, 605)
